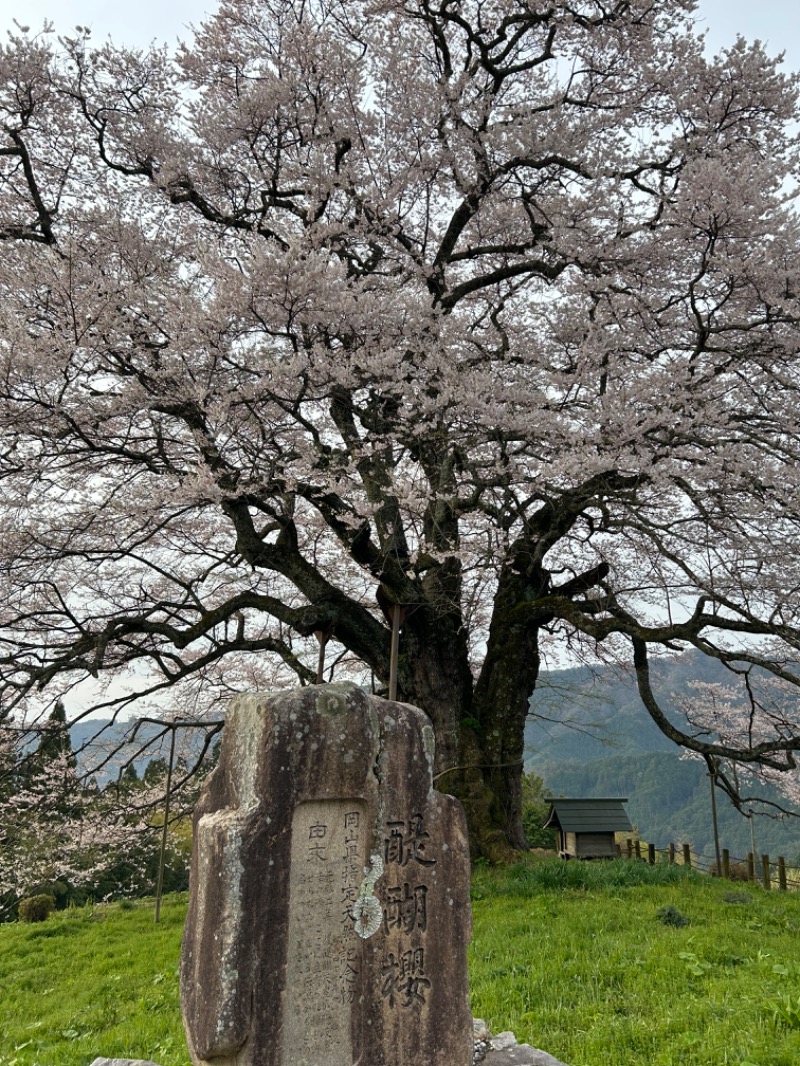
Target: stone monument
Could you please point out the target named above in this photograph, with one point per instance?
(329, 911)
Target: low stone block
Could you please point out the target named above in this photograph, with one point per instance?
(502, 1049)
(520, 1055)
(123, 1062)
(502, 1041)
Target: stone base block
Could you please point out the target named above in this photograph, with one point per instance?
(520, 1055)
(123, 1062)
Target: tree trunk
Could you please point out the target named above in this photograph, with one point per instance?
(480, 732)
(502, 695)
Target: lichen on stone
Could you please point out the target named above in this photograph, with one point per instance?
(367, 913)
(367, 916)
(331, 701)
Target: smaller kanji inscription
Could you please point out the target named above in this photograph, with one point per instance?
(323, 961)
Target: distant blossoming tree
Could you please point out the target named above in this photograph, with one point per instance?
(763, 711)
(59, 834)
(482, 314)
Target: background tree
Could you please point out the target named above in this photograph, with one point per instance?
(760, 711)
(535, 809)
(75, 841)
(487, 311)
(54, 744)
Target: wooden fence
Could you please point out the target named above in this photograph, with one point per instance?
(770, 874)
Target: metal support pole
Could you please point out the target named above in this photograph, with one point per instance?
(395, 652)
(753, 833)
(322, 637)
(162, 856)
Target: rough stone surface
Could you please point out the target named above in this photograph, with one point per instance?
(503, 1049)
(329, 911)
(480, 1030)
(502, 1041)
(123, 1062)
(520, 1055)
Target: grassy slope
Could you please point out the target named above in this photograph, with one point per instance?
(572, 957)
(90, 982)
(590, 973)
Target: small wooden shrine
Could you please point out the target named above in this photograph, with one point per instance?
(586, 827)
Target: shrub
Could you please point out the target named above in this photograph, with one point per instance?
(529, 878)
(535, 808)
(36, 908)
(671, 916)
(739, 871)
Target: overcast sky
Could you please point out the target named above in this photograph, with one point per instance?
(137, 23)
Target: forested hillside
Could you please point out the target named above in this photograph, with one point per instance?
(94, 739)
(589, 735)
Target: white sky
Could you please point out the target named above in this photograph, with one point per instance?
(774, 22)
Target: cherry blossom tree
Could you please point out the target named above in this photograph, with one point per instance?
(59, 834)
(760, 711)
(63, 834)
(481, 314)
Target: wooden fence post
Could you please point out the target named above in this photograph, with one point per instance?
(637, 846)
(751, 866)
(629, 847)
(672, 853)
(782, 873)
(651, 854)
(687, 855)
(766, 880)
(726, 863)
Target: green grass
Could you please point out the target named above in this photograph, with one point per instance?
(92, 981)
(577, 958)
